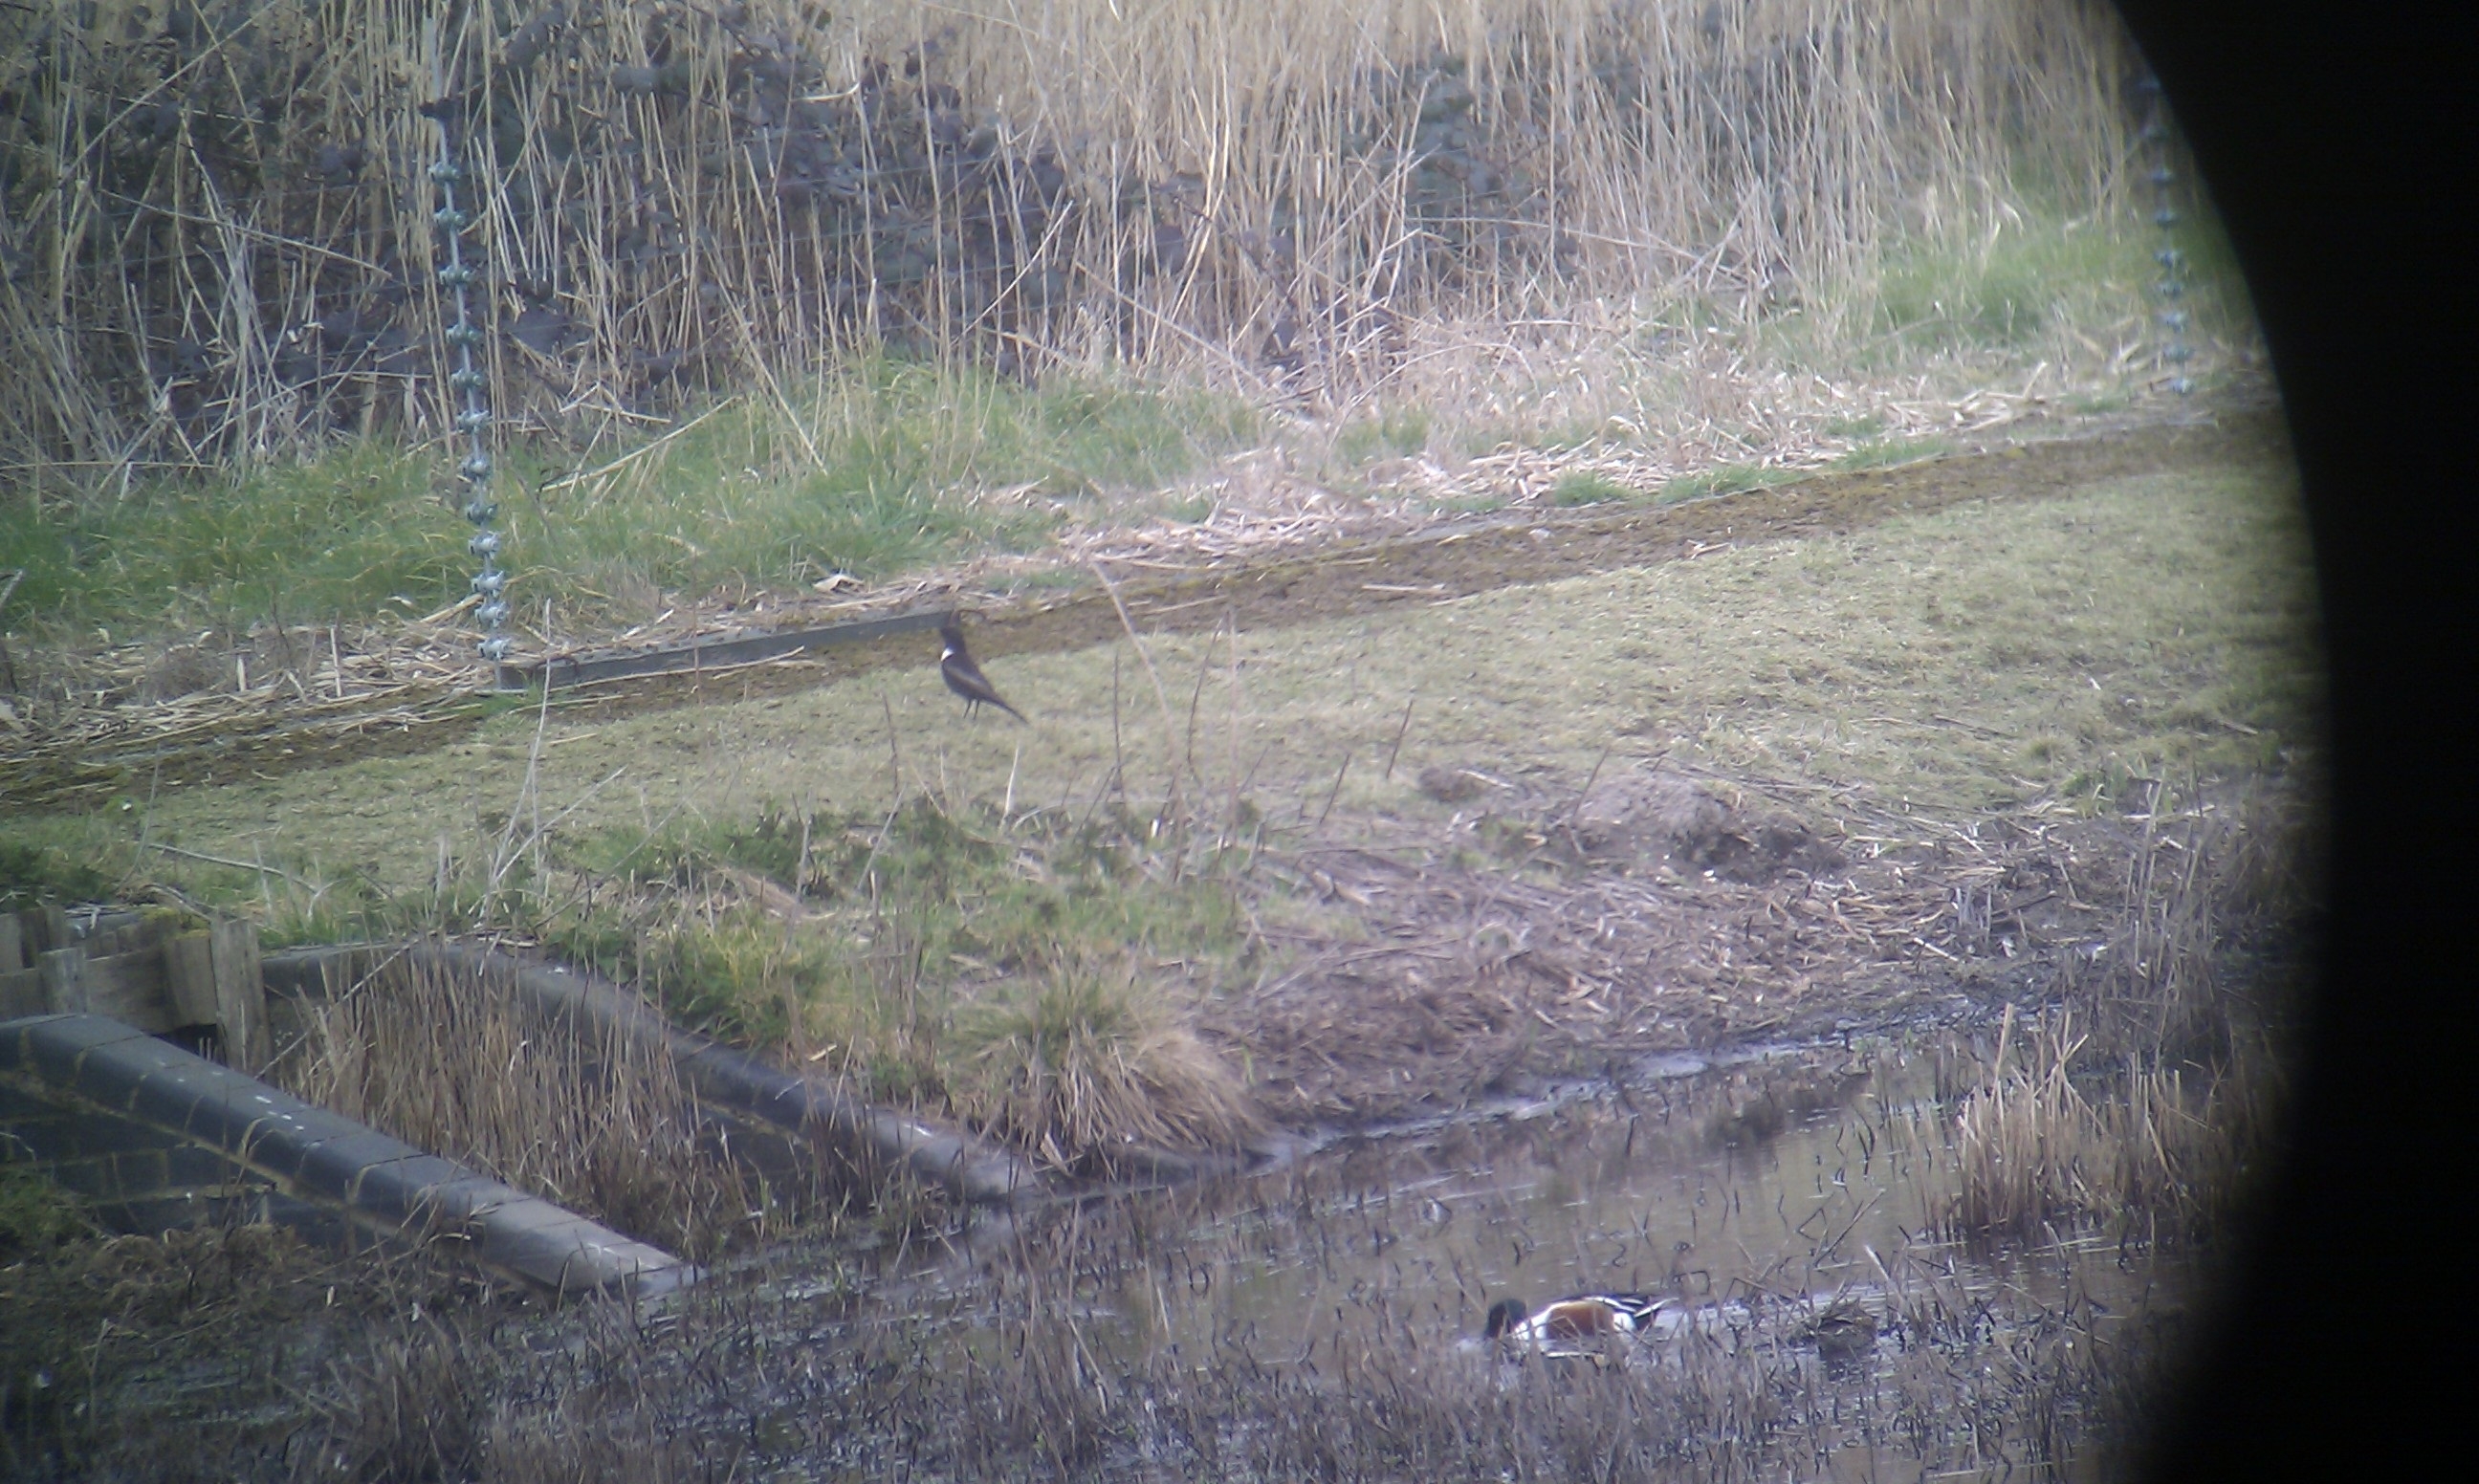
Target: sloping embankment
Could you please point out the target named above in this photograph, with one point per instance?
(143, 752)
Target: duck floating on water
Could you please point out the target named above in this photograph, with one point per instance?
(1579, 1324)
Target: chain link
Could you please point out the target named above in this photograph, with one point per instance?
(490, 583)
(2170, 290)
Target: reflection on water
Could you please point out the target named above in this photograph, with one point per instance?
(1790, 1203)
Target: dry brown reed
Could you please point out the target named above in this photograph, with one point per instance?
(2152, 1089)
(217, 243)
(600, 1125)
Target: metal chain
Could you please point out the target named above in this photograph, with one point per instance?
(490, 584)
(2171, 290)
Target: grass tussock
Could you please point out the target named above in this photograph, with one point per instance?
(36, 1216)
(1036, 978)
(1087, 1058)
(60, 859)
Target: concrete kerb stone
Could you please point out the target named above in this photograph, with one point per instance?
(51, 1046)
(456, 1203)
(332, 1166)
(113, 1074)
(565, 1253)
(187, 1165)
(410, 1190)
(266, 1132)
(96, 1138)
(222, 1124)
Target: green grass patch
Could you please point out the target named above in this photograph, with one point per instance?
(1056, 579)
(2094, 403)
(890, 465)
(1584, 487)
(62, 859)
(36, 1216)
(1398, 432)
(1187, 509)
(2040, 276)
(1886, 453)
(941, 957)
(350, 535)
(1723, 479)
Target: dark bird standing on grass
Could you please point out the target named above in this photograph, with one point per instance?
(965, 678)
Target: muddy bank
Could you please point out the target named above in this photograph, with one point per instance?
(1546, 934)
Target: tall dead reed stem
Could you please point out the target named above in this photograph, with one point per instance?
(217, 242)
(2150, 1092)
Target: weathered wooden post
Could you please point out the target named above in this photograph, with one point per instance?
(21, 984)
(64, 981)
(241, 994)
(141, 974)
(190, 969)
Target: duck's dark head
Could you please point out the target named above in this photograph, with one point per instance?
(1504, 1316)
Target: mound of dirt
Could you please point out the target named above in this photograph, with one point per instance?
(1451, 785)
(1653, 817)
